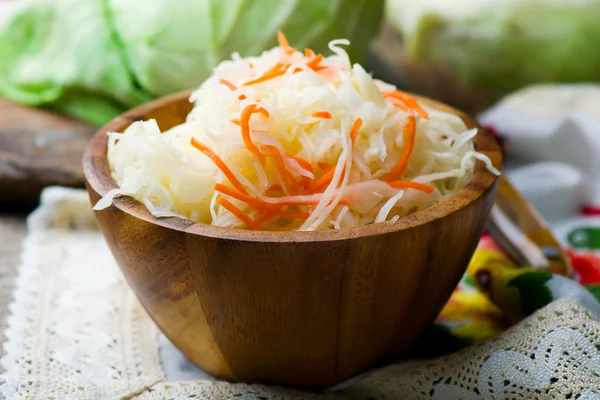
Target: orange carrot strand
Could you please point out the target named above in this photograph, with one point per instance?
(278, 70)
(322, 114)
(412, 185)
(325, 180)
(283, 43)
(228, 84)
(355, 129)
(305, 182)
(253, 202)
(322, 181)
(242, 97)
(257, 204)
(398, 170)
(299, 202)
(237, 122)
(314, 63)
(262, 217)
(304, 163)
(398, 103)
(308, 53)
(245, 124)
(219, 163)
(280, 164)
(409, 101)
(238, 213)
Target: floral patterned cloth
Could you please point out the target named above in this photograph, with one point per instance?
(474, 313)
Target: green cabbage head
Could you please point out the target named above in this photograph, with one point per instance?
(502, 45)
(95, 58)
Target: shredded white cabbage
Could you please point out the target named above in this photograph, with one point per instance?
(172, 177)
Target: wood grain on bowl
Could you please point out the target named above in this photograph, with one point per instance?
(307, 309)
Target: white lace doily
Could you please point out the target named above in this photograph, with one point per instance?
(76, 331)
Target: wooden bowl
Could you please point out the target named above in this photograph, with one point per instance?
(308, 309)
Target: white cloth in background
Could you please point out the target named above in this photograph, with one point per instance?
(552, 145)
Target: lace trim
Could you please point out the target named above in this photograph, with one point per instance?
(553, 354)
(75, 329)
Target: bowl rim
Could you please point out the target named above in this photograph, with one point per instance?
(98, 179)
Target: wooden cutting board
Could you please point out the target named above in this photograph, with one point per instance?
(38, 148)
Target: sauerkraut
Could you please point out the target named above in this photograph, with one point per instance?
(294, 140)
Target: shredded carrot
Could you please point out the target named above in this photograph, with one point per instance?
(289, 214)
(412, 185)
(250, 65)
(309, 53)
(324, 180)
(232, 87)
(259, 205)
(219, 163)
(355, 129)
(262, 217)
(290, 201)
(245, 124)
(237, 122)
(322, 114)
(409, 101)
(275, 188)
(278, 70)
(324, 165)
(253, 202)
(238, 213)
(410, 129)
(398, 104)
(228, 84)
(280, 164)
(283, 43)
(305, 181)
(304, 163)
(314, 63)
(297, 185)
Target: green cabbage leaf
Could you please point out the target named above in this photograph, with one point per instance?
(96, 58)
(503, 45)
